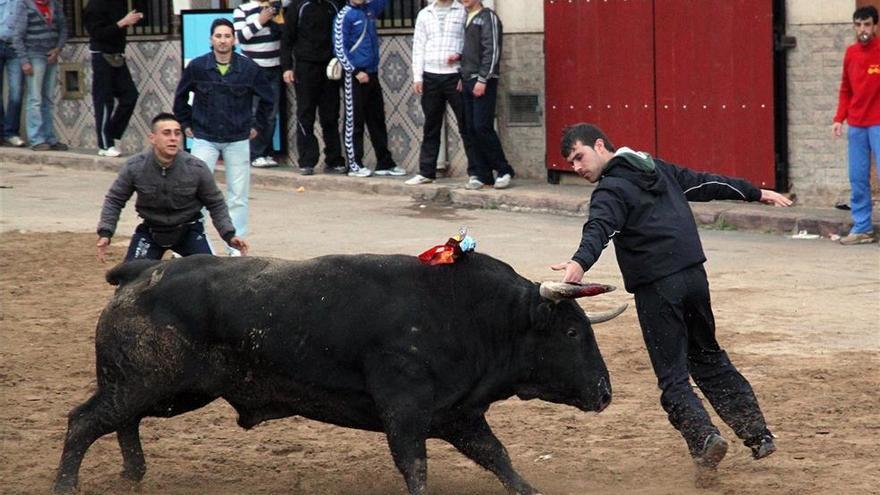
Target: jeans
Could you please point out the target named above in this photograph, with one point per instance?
(437, 91)
(142, 246)
(238, 176)
(10, 115)
(862, 141)
(678, 326)
(486, 153)
(40, 101)
(261, 146)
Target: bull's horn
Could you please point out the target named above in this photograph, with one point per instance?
(606, 315)
(556, 291)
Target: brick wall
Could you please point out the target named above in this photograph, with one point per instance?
(818, 165)
(522, 72)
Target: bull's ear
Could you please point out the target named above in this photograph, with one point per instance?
(556, 291)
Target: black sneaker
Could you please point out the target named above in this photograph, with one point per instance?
(762, 446)
(340, 169)
(714, 450)
(307, 171)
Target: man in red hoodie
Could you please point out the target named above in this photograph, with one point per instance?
(859, 106)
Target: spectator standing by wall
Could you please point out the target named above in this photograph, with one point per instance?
(437, 45)
(356, 45)
(38, 41)
(113, 91)
(11, 16)
(480, 70)
(306, 48)
(859, 106)
(222, 120)
(259, 37)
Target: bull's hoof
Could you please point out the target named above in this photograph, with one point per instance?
(133, 473)
(63, 486)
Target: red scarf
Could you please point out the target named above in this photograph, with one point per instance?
(45, 9)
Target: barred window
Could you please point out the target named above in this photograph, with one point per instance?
(158, 15)
(400, 14)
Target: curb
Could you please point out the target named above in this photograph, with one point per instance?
(526, 195)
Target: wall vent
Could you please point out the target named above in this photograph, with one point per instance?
(525, 110)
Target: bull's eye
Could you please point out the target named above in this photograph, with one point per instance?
(572, 333)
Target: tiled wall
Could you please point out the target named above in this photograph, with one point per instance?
(155, 67)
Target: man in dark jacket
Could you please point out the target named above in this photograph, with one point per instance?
(307, 37)
(480, 69)
(642, 203)
(172, 187)
(222, 120)
(112, 85)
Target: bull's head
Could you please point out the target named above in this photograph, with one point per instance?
(565, 363)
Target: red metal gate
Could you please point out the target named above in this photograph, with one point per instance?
(691, 82)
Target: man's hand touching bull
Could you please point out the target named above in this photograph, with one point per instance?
(573, 271)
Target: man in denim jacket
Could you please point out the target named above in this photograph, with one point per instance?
(220, 119)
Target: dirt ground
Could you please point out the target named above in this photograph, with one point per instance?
(799, 319)
(823, 405)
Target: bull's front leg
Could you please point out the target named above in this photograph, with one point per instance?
(403, 399)
(473, 438)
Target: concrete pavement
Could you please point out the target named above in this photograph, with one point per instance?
(568, 198)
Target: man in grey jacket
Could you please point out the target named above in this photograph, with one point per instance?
(172, 187)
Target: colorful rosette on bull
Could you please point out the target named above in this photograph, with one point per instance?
(454, 248)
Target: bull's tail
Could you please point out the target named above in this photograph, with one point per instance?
(124, 273)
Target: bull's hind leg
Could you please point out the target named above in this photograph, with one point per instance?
(95, 418)
(134, 466)
(473, 438)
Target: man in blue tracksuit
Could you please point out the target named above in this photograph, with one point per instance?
(221, 120)
(641, 203)
(356, 45)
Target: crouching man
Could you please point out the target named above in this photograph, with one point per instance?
(172, 187)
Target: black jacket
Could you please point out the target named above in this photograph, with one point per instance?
(100, 18)
(481, 54)
(308, 26)
(166, 197)
(642, 203)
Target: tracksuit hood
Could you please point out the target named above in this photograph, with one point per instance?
(637, 167)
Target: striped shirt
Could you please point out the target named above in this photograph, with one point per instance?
(435, 40)
(260, 43)
(36, 36)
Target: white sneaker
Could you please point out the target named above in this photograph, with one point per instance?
(503, 182)
(473, 184)
(260, 163)
(15, 141)
(360, 172)
(418, 180)
(112, 152)
(396, 171)
(271, 161)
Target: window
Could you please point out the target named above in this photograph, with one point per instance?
(400, 14)
(158, 15)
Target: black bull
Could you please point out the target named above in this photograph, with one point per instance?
(379, 343)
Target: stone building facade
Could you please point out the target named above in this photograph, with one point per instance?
(817, 163)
